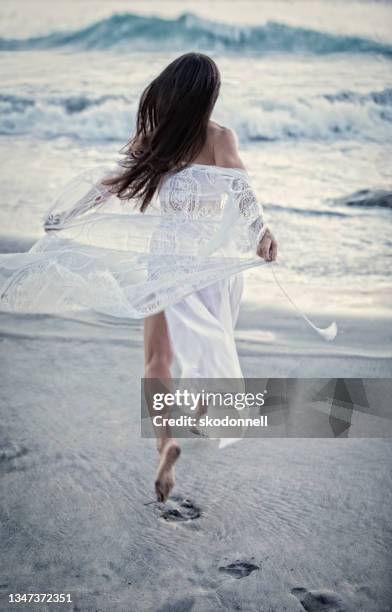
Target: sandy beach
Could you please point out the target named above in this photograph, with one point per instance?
(266, 525)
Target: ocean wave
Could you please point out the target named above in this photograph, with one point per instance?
(106, 117)
(138, 32)
(341, 116)
(383, 98)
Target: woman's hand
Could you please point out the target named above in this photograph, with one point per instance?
(268, 247)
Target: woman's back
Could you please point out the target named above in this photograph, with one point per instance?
(220, 148)
(199, 189)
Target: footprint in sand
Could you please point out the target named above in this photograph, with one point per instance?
(10, 450)
(179, 509)
(239, 569)
(10, 456)
(319, 601)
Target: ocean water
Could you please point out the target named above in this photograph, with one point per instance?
(307, 86)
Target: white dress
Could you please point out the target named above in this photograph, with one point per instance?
(201, 330)
(201, 325)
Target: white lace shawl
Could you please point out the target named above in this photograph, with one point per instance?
(103, 254)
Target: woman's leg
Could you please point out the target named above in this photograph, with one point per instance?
(158, 359)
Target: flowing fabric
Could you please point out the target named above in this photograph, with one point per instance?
(102, 254)
(201, 329)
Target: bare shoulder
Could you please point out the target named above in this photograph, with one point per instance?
(225, 146)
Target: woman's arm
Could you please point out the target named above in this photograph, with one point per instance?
(226, 155)
(93, 198)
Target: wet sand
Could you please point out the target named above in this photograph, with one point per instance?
(261, 525)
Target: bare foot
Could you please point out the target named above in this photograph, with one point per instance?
(164, 480)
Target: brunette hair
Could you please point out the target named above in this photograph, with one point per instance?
(171, 126)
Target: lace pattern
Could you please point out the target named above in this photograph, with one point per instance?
(102, 254)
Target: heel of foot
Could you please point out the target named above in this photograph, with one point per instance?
(174, 452)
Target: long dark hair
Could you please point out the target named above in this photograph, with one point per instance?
(171, 126)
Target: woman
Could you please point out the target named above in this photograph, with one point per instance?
(175, 260)
(174, 130)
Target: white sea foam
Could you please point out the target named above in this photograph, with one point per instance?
(111, 117)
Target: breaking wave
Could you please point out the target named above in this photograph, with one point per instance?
(189, 31)
(341, 116)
